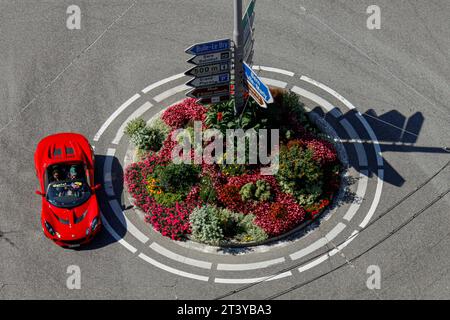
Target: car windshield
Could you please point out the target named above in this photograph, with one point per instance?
(69, 193)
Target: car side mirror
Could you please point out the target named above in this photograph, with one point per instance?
(39, 193)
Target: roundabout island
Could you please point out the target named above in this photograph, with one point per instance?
(218, 192)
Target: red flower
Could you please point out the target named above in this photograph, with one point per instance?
(219, 116)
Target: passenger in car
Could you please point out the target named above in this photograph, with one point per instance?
(73, 173)
(56, 175)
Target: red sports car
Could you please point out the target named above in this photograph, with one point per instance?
(64, 165)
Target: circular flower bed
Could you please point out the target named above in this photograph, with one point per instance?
(219, 203)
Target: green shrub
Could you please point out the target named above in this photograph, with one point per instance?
(259, 191)
(247, 191)
(262, 192)
(207, 191)
(213, 225)
(240, 227)
(168, 199)
(249, 231)
(299, 174)
(161, 126)
(205, 225)
(177, 178)
(143, 137)
(228, 222)
(134, 126)
(148, 139)
(309, 194)
(228, 119)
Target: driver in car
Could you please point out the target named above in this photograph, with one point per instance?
(75, 185)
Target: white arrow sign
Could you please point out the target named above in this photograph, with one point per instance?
(209, 81)
(210, 58)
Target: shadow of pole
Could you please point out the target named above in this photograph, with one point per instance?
(394, 132)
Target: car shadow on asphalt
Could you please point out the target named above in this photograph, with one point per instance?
(109, 173)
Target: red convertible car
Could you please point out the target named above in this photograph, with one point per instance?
(64, 165)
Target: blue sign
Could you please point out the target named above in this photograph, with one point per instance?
(209, 47)
(257, 83)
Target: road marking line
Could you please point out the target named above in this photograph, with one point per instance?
(360, 193)
(252, 280)
(329, 90)
(174, 256)
(275, 70)
(115, 115)
(107, 172)
(372, 136)
(274, 83)
(130, 227)
(329, 254)
(249, 266)
(344, 244)
(312, 264)
(359, 147)
(171, 92)
(172, 270)
(136, 114)
(116, 236)
(164, 81)
(313, 97)
(335, 231)
(309, 249)
(376, 200)
(319, 243)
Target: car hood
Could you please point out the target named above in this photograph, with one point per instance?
(71, 220)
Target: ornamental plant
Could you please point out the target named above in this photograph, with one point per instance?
(207, 192)
(240, 227)
(176, 178)
(280, 216)
(259, 191)
(178, 115)
(206, 225)
(145, 138)
(299, 174)
(171, 222)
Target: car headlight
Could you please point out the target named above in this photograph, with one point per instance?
(49, 228)
(94, 223)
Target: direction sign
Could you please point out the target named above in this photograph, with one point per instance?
(248, 58)
(215, 99)
(211, 58)
(247, 22)
(209, 47)
(248, 48)
(248, 14)
(255, 95)
(253, 79)
(208, 70)
(248, 30)
(208, 92)
(209, 81)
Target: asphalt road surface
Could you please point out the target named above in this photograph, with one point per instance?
(53, 79)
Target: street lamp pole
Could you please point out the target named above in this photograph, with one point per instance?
(238, 58)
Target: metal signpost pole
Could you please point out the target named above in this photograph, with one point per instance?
(238, 58)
